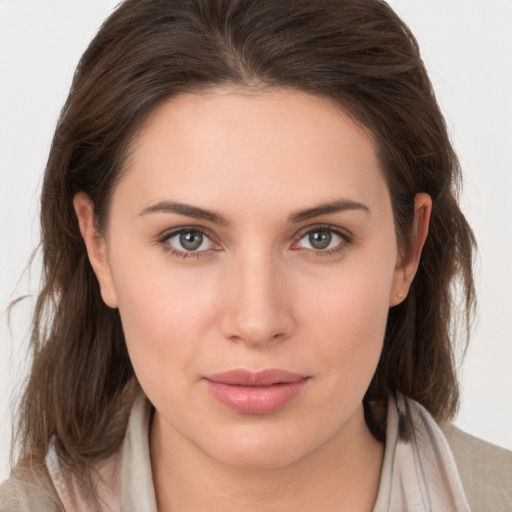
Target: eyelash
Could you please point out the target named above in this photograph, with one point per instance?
(163, 240)
(347, 240)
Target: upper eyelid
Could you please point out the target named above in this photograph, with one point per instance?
(170, 232)
(343, 232)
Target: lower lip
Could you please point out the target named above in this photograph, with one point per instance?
(256, 399)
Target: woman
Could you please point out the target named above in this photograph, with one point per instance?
(250, 239)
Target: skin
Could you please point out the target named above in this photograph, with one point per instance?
(255, 295)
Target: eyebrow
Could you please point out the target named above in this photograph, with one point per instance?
(187, 210)
(338, 206)
(215, 217)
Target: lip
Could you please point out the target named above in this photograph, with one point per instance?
(260, 392)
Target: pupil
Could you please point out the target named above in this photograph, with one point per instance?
(191, 240)
(320, 239)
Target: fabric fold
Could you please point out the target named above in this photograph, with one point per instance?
(419, 472)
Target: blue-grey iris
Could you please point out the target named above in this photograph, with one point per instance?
(320, 239)
(191, 240)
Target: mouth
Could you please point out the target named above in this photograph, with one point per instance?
(260, 392)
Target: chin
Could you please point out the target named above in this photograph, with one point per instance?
(260, 448)
(255, 458)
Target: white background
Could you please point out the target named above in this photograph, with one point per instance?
(467, 46)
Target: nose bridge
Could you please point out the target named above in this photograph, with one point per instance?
(256, 308)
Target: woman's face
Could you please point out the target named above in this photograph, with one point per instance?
(252, 231)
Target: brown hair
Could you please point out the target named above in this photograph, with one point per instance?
(355, 52)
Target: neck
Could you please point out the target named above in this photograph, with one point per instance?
(341, 475)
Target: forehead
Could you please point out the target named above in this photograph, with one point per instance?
(264, 147)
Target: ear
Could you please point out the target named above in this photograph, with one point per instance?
(406, 268)
(96, 247)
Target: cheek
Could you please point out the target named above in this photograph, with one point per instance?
(166, 316)
(349, 315)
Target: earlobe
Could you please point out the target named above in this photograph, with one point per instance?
(406, 268)
(96, 247)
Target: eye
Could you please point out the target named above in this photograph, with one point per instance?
(322, 239)
(188, 240)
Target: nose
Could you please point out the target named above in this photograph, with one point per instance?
(256, 306)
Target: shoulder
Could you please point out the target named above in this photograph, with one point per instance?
(27, 491)
(485, 470)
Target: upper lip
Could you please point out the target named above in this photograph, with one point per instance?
(242, 377)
